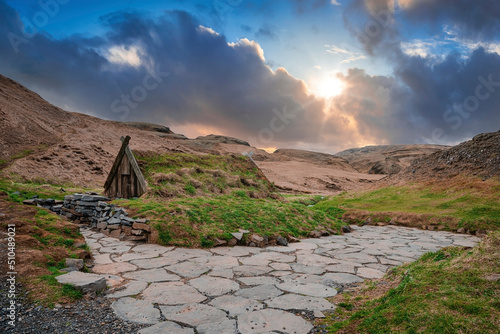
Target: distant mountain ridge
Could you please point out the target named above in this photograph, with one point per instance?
(387, 159)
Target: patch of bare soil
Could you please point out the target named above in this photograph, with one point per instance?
(32, 255)
(387, 159)
(311, 178)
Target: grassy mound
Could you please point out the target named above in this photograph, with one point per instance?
(195, 199)
(189, 175)
(468, 203)
(454, 290)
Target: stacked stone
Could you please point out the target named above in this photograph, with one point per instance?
(83, 208)
(93, 210)
(49, 203)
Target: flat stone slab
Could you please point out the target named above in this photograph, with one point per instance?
(222, 262)
(314, 260)
(342, 278)
(115, 249)
(231, 251)
(369, 273)
(152, 276)
(304, 269)
(236, 305)
(280, 266)
(357, 257)
(260, 292)
(222, 272)
(214, 286)
(263, 280)
(166, 327)
(193, 314)
(274, 257)
(188, 269)
(250, 271)
(296, 302)
(172, 293)
(130, 289)
(224, 327)
(114, 268)
(84, 282)
(146, 248)
(252, 261)
(102, 259)
(341, 268)
(113, 280)
(156, 262)
(135, 256)
(135, 310)
(311, 289)
(302, 245)
(270, 320)
(281, 249)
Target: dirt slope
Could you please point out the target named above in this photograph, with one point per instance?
(386, 159)
(41, 142)
(477, 157)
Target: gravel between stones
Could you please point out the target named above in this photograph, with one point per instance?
(90, 315)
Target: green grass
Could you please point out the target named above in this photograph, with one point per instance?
(443, 292)
(198, 221)
(470, 206)
(55, 291)
(181, 174)
(21, 190)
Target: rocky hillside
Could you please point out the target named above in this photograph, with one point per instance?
(477, 157)
(386, 159)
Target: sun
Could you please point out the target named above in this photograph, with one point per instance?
(328, 86)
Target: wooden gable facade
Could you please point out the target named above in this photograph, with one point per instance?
(125, 180)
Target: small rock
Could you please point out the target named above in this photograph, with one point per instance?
(315, 234)
(481, 233)
(461, 230)
(293, 239)
(281, 241)
(238, 235)
(74, 263)
(346, 229)
(219, 242)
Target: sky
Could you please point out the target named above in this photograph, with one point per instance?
(322, 75)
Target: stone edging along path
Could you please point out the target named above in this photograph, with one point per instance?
(250, 290)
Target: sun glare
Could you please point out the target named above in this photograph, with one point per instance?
(328, 86)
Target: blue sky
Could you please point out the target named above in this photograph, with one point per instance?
(349, 72)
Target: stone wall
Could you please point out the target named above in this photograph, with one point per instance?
(95, 211)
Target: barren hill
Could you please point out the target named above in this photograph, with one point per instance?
(477, 157)
(39, 141)
(312, 172)
(387, 159)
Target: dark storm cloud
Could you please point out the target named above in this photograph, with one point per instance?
(478, 20)
(431, 99)
(168, 70)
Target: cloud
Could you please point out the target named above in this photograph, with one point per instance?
(172, 71)
(267, 31)
(439, 83)
(349, 56)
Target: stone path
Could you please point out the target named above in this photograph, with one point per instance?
(250, 290)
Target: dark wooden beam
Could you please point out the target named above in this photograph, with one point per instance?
(135, 166)
(117, 162)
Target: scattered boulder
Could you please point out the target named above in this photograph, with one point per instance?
(346, 229)
(86, 283)
(74, 263)
(281, 241)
